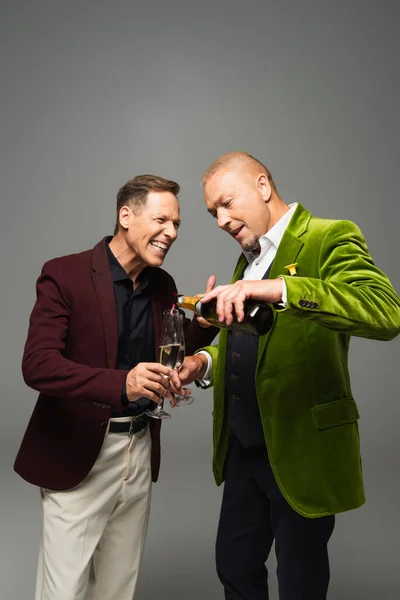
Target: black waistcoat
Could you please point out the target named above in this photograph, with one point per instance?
(240, 387)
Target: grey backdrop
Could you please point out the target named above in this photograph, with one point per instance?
(94, 92)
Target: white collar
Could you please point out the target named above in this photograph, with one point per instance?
(274, 235)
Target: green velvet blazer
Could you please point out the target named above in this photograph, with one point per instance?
(307, 409)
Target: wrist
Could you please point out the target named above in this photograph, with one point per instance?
(273, 290)
(279, 289)
(202, 365)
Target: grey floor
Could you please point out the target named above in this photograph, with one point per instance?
(179, 561)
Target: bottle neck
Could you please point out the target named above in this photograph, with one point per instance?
(188, 302)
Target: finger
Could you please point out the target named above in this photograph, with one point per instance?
(157, 398)
(221, 307)
(157, 368)
(174, 390)
(151, 396)
(234, 298)
(239, 308)
(158, 388)
(171, 398)
(209, 286)
(228, 310)
(187, 376)
(181, 391)
(157, 377)
(174, 380)
(233, 306)
(221, 293)
(185, 392)
(172, 401)
(184, 373)
(213, 293)
(211, 281)
(203, 323)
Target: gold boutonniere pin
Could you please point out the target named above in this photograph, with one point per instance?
(292, 268)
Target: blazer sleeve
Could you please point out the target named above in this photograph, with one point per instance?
(351, 294)
(44, 366)
(212, 351)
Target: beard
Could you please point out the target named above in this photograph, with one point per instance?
(251, 245)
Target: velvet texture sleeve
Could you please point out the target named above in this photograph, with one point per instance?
(351, 294)
(213, 352)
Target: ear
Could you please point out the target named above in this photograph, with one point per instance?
(264, 187)
(125, 217)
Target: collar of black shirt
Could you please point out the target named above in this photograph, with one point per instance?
(118, 273)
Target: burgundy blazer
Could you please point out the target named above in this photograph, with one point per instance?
(70, 358)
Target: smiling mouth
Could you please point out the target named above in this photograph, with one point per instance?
(160, 246)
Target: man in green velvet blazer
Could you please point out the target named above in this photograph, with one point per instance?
(324, 287)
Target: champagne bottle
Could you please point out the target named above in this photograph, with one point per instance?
(258, 316)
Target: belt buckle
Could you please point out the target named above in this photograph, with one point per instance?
(137, 419)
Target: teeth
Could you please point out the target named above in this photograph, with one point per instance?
(159, 245)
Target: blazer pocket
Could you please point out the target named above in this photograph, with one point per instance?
(335, 413)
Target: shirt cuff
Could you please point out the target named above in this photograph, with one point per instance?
(136, 406)
(205, 381)
(283, 302)
(124, 397)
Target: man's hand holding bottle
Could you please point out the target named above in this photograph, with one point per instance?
(210, 285)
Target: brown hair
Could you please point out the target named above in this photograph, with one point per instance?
(134, 192)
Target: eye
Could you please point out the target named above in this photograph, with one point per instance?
(176, 225)
(227, 203)
(160, 220)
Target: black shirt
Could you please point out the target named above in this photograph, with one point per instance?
(135, 327)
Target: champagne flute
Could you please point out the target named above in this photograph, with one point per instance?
(179, 399)
(170, 344)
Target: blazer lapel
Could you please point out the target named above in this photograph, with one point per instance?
(289, 247)
(103, 283)
(287, 253)
(240, 267)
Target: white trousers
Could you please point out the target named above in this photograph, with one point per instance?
(94, 534)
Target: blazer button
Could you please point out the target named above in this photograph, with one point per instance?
(301, 302)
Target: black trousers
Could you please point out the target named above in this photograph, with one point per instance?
(254, 514)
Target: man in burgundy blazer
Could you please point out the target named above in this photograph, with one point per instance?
(70, 358)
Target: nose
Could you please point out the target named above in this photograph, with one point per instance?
(223, 218)
(171, 231)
